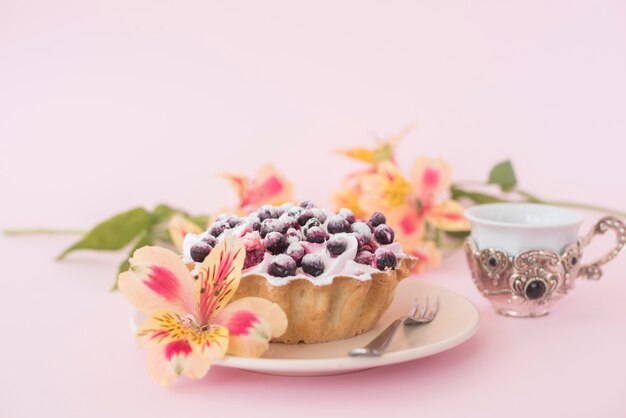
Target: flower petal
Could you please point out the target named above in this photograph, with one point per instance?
(430, 177)
(219, 277)
(252, 322)
(178, 227)
(448, 216)
(158, 280)
(384, 190)
(270, 186)
(428, 256)
(168, 361)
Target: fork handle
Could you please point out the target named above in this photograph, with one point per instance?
(379, 345)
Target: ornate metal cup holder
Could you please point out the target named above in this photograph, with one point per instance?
(528, 283)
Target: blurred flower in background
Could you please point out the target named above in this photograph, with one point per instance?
(417, 207)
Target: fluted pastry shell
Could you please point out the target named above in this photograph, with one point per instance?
(341, 309)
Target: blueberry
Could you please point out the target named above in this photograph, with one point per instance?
(320, 215)
(271, 225)
(254, 222)
(233, 221)
(307, 204)
(336, 245)
(293, 235)
(304, 216)
(384, 259)
(275, 242)
(211, 240)
(218, 228)
(282, 266)
(312, 264)
(361, 232)
(364, 257)
(347, 214)
(338, 224)
(295, 251)
(378, 218)
(295, 211)
(310, 224)
(266, 212)
(200, 251)
(289, 221)
(384, 234)
(316, 234)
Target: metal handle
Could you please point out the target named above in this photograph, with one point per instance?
(379, 345)
(592, 271)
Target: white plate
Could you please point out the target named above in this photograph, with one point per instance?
(455, 323)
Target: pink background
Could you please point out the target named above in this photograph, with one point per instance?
(106, 105)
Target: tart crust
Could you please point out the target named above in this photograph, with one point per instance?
(342, 309)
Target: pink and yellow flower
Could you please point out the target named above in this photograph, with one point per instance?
(411, 205)
(178, 226)
(191, 322)
(268, 187)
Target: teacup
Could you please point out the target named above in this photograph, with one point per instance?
(524, 257)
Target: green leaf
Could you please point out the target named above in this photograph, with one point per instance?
(162, 213)
(114, 233)
(503, 175)
(144, 239)
(457, 234)
(476, 197)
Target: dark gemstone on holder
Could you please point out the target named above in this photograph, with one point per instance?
(200, 251)
(282, 266)
(535, 289)
(574, 260)
(493, 261)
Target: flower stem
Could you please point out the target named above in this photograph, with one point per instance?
(585, 206)
(42, 231)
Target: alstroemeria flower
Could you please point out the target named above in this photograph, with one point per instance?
(411, 205)
(191, 322)
(388, 191)
(383, 151)
(268, 187)
(178, 227)
(431, 178)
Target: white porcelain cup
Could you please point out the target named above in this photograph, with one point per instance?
(524, 256)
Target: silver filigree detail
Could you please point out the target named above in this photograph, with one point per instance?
(494, 262)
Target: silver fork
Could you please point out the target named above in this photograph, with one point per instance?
(378, 345)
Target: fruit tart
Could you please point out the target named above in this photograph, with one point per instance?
(332, 274)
